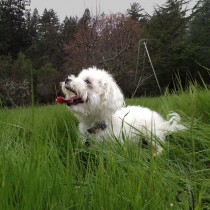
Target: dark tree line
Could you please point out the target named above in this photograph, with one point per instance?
(37, 50)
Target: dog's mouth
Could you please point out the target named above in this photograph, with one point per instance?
(72, 99)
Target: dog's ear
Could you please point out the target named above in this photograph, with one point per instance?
(112, 98)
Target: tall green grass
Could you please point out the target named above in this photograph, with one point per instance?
(44, 165)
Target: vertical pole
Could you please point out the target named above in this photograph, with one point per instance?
(152, 66)
(137, 62)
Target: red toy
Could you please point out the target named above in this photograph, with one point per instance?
(74, 100)
(62, 100)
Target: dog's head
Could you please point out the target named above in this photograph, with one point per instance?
(93, 91)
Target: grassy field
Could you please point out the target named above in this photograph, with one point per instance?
(43, 164)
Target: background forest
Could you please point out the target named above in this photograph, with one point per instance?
(37, 51)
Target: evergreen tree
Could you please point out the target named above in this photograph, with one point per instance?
(69, 27)
(135, 12)
(14, 36)
(49, 24)
(199, 33)
(32, 23)
(49, 45)
(86, 18)
(167, 30)
(34, 52)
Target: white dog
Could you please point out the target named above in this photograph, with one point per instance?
(97, 101)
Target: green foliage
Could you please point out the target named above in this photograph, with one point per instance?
(135, 11)
(45, 166)
(68, 28)
(47, 71)
(1, 101)
(32, 24)
(6, 64)
(199, 25)
(47, 79)
(85, 20)
(199, 42)
(166, 29)
(14, 36)
(22, 67)
(48, 44)
(15, 80)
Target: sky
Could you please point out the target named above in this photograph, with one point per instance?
(76, 7)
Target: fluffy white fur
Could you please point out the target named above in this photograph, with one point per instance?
(104, 102)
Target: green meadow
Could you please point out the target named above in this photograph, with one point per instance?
(44, 165)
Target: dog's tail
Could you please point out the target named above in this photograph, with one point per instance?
(174, 122)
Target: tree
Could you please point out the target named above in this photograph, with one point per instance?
(86, 18)
(14, 36)
(15, 80)
(48, 44)
(33, 51)
(47, 79)
(32, 24)
(68, 28)
(6, 65)
(135, 12)
(167, 37)
(199, 32)
(49, 23)
(109, 42)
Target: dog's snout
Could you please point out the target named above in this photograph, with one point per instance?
(67, 80)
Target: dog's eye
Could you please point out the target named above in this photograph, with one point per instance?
(87, 81)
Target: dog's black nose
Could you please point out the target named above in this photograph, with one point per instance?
(67, 80)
